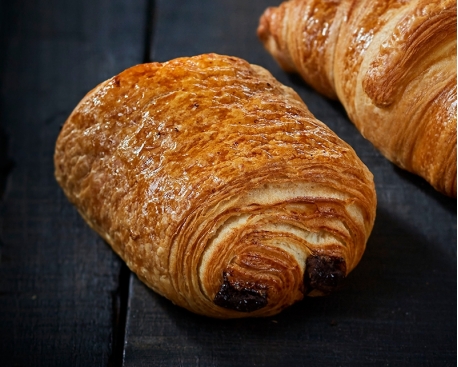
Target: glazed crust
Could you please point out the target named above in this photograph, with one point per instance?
(216, 185)
(392, 64)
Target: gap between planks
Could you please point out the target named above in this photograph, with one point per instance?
(121, 296)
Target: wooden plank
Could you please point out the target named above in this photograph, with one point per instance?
(399, 305)
(58, 279)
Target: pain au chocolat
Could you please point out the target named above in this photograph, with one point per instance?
(216, 185)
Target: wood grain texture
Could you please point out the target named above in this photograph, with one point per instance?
(57, 278)
(398, 307)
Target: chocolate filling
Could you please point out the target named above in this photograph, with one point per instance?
(243, 298)
(324, 273)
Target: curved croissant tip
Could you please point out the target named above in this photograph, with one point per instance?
(240, 297)
(263, 30)
(323, 274)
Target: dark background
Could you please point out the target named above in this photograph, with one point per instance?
(67, 300)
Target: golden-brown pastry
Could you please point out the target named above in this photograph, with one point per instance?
(216, 185)
(392, 64)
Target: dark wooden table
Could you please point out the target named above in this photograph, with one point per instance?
(67, 300)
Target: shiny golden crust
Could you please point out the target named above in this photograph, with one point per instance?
(216, 185)
(392, 64)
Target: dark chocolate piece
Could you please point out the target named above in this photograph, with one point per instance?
(239, 297)
(324, 273)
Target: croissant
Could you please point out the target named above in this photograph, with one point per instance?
(216, 185)
(392, 64)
